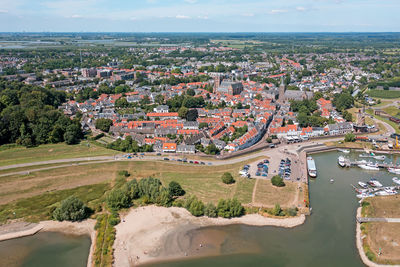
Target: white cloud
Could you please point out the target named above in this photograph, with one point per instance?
(277, 11)
(202, 17)
(301, 8)
(3, 11)
(248, 14)
(190, 1)
(182, 17)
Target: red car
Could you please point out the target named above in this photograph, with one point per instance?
(196, 162)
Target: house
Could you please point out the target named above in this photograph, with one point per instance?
(169, 147)
(324, 104)
(339, 128)
(189, 149)
(161, 109)
(219, 144)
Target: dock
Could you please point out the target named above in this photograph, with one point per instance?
(349, 163)
(367, 220)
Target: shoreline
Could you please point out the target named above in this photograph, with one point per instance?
(21, 229)
(142, 233)
(360, 248)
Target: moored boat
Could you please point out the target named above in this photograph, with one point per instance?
(375, 183)
(312, 170)
(345, 151)
(382, 157)
(369, 167)
(362, 184)
(394, 170)
(365, 195)
(396, 180)
(342, 161)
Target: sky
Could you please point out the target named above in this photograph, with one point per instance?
(200, 15)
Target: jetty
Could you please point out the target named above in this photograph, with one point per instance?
(383, 165)
(367, 220)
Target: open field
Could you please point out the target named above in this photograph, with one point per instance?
(39, 207)
(393, 111)
(268, 195)
(204, 181)
(383, 207)
(383, 94)
(19, 155)
(383, 237)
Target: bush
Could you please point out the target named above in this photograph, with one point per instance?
(210, 210)
(277, 211)
(277, 181)
(114, 219)
(227, 178)
(194, 206)
(124, 173)
(230, 208)
(103, 124)
(349, 137)
(71, 209)
(119, 198)
(292, 211)
(175, 189)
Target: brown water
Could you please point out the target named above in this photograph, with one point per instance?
(47, 249)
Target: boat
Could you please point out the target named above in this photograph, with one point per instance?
(365, 195)
(332, 181)
(369, 166)
(345, 151)
(394, 170)
(386, 192)
(373, 182)
(362, 184)
(382, 157)
(312, 170)
(396, 180)
(342, 161)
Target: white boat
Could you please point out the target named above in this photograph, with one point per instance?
(369, 167)
(396, 180)
(312, 170)
(386, 192)
(362, 184)
(394, 170)
(342, 161)
(332, 181)
(365, 195)
(382, 157)
(345, 151)
(373, 182)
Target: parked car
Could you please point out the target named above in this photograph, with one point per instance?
(166, 158)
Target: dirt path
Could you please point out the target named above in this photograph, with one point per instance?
(253, 197)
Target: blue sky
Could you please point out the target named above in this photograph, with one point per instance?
(200, 15)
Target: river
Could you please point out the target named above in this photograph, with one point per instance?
(47, 249)
(326, 239)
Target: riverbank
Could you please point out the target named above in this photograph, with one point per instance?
(22, 229)
(142, 233)
(359, 243)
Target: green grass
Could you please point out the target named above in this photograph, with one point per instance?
(392, 111)
(103, 255)
(39, 207)
(18, 155)
(383, 94)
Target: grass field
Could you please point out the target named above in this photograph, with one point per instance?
(39, 207)
(384, 206)
(383, 237)
(19, 155)
(269, 195)
(383, 94)
(393, 111)
(391, 123)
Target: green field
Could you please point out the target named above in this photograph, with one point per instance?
(383, 94)
(391, 123)
(18, 155)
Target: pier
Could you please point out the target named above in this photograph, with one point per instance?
(349, 163)
(367, 220)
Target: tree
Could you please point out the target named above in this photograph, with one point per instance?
(192, 115)
(175, 189)
(212, 149)
(71, 209)
(118, 199)
(210, 210)
(258, 97)
(227, 178)
(190, 92)
(103, 124)
(194, 206)
(203, 125)
(349, 137)
(277, 211)
(277, 181)
(73, 134)
(182, 112)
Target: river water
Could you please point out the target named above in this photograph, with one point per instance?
(45, 249)
(326, 239)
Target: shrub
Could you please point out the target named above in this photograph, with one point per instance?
(118, 199)
(210, 210)
(227, 178)
(277, 181)
(71, 209)
(230, 208)
(194, 206)
(349, 137)
(277, 211)
(175, 189)
(292, 211)
(124, 173)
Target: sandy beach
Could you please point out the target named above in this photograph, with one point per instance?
(142, 233)
(21, 229)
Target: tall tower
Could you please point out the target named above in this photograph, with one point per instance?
(282, 88)
(217, 82)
